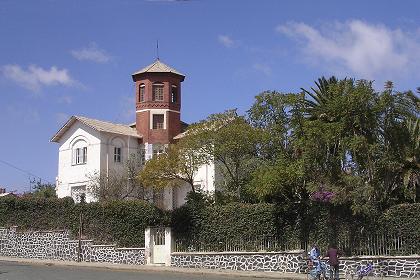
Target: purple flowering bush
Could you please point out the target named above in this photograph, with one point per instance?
(322, 196)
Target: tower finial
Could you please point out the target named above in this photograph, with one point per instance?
(157, 49)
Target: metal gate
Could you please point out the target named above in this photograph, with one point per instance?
(158, 245)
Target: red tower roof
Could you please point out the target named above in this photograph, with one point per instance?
(158, 67)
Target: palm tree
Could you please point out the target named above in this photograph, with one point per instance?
(411, 165)
(320, 95)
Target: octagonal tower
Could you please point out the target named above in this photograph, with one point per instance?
(158, 103)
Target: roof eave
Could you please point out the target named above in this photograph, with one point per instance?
(63, 129)
(56, 138)
(137, 74)
(135, 136)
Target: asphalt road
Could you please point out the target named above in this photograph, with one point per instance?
(19, 271)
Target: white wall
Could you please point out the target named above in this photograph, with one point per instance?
(100, 158)
(129, 146)
(205, 178)
(69, 174)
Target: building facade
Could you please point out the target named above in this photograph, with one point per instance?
(90, 148)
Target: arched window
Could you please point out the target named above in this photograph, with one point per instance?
(174, 94)
(117, 149)
(141, 92)
(79, 152)
(157, 90)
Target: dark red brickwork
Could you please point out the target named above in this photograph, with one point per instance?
(173, 119)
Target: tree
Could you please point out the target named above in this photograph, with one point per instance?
(279, 176)
(321, 95)
(44, 190)
(232, 143)
(411, 165)
(117, 184)
(278, 117)
(179, 164)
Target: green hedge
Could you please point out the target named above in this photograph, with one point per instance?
(210, 226)
(120, 222)
(123, 222)
(30, 213)
(201, 225)
(402, 219)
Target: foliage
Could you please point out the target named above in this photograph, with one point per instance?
(279, 181)
(120, 222)
(118, 183)
(36, 213)
(403, 218)
(231, 142)
(411, 163)
(324, 164)
(213, 223)
(200, 219)
(279, 118)
(179, 164)
(43, 190)
(342, 137)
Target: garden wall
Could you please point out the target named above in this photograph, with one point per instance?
(294, 262)
(57, 245)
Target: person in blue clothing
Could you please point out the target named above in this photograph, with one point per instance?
(314, 256)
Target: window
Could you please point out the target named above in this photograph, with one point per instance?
(77, 192)
(158, 151)
(158, 120)
(117, 154)
(141, 93)
(80, 155)
(174, 94)
(157, 92)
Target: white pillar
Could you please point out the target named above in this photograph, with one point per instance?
(148, 246)
(169, 245)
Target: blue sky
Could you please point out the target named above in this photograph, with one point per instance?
(63, 58)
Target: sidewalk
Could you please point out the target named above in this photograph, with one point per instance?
(156, 268)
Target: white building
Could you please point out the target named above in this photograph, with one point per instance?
(89, 146)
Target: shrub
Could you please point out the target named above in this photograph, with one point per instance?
(120, 222)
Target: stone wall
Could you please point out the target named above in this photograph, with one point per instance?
(57, 245)
(384, 266)
(295, 262)
(287, 262)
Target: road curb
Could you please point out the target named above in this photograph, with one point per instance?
(162, 269)
(146, 268)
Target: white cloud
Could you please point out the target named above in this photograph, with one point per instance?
(226, 41)
(357, 47)
(265, 69)
(35, 77)
(92, 53)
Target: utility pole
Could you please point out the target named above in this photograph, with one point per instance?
(79, 247)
